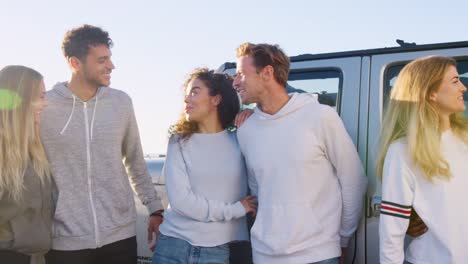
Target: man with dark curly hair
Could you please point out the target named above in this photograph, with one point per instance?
(92, 141)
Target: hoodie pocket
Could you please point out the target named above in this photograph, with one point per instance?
(117, 207)
(285, 229)
(71, 219)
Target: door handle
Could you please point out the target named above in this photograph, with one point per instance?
(373, 210)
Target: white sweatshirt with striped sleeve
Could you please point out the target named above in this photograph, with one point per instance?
(440, 205)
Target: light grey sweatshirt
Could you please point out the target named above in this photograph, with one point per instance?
(94, 150)
(205, 179)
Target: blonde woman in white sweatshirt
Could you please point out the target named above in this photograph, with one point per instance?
(423, 164)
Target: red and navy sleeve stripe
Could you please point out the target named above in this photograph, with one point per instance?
(394, 209)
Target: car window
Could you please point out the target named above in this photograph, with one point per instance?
(391, 75)
(325, 83)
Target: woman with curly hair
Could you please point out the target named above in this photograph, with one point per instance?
(205, 176)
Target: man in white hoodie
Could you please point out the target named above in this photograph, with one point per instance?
(302, 165)
(92, 142)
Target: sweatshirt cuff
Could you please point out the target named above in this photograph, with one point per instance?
(154, 206)
(344, 242)
(238, 210)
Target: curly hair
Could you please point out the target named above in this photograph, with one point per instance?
(218, 84)
(77, 41)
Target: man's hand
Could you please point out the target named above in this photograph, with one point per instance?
(242, 117)
(153, 227)
(416, 225)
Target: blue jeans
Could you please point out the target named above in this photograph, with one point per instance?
(171, 250)
(328, 261)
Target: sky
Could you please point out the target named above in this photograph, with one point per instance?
(157, 43)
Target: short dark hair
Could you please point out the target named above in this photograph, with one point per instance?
(217, 84)
(77, 41)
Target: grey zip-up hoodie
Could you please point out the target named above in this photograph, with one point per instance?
(91, 147)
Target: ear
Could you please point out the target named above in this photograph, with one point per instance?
(216, 100)
(433, 97)
(74, 63)
(267, 72)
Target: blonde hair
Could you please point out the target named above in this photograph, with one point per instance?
(264, 55)
(411, 115)
(20, 145)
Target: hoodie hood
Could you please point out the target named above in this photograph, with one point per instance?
(296, 102)
(62, 93)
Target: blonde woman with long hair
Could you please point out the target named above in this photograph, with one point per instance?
(25, 182)
(423, 164)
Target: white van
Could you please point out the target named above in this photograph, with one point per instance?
(356, 83)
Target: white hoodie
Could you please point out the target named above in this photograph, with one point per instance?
(309, 181)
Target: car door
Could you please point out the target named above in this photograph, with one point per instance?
(337, 81)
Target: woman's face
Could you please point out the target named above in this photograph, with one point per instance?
(199, 104)
(449, 97)
(40, 102)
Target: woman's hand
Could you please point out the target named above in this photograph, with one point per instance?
(242, 117)
(250, 204)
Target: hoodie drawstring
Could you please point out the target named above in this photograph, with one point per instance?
(94, 114)
(70, 117)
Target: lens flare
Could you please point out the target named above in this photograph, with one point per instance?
(9, 100)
